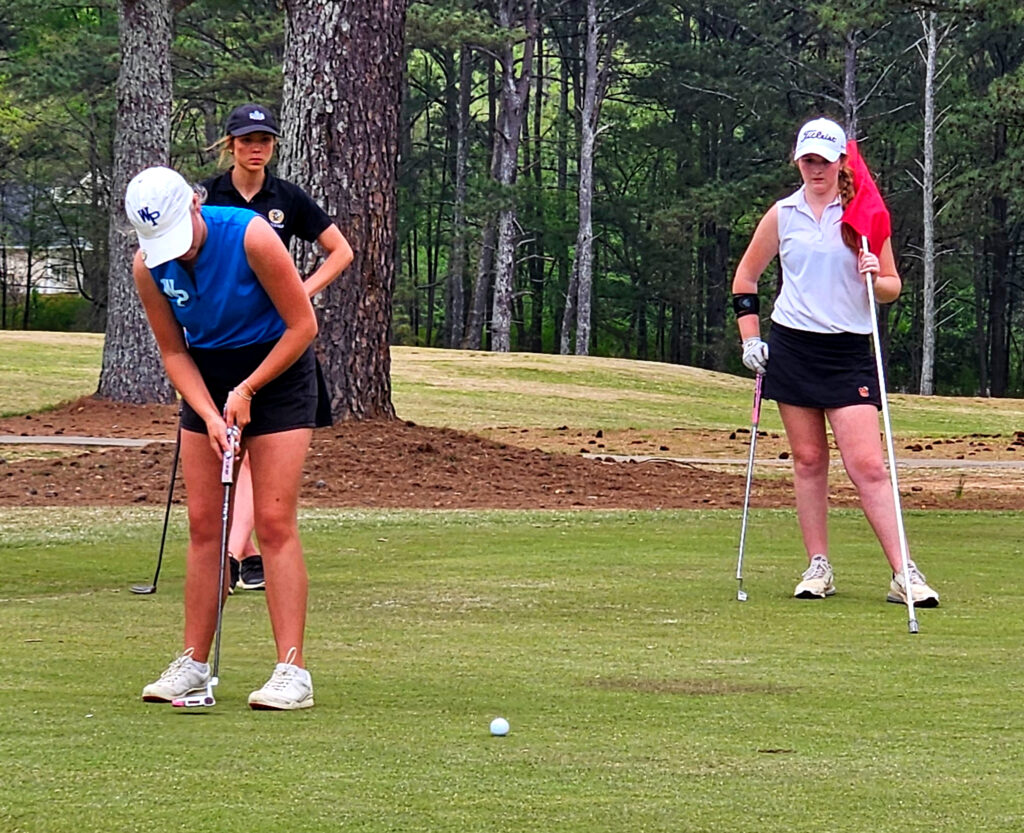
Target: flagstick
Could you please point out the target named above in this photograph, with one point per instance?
(904, 553)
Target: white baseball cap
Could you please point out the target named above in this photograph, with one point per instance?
(823, 137)
(158, 202)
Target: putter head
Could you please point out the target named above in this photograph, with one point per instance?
(200, 698)
(741, 595)
(143, 589)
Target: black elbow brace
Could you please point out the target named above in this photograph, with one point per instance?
(746, 303)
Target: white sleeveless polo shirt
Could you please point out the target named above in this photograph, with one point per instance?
(822, 292)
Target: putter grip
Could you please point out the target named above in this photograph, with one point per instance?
(227, 469)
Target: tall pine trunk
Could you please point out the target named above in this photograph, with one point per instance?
(132, 370)
(514, 94)
(928, 209)
(584, 266)
(456, 295)
(342, 96)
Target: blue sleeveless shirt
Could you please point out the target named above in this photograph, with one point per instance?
(221, 303)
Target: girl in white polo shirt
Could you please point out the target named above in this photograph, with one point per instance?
(821, 365)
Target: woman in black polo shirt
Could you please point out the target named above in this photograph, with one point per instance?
(248, 146)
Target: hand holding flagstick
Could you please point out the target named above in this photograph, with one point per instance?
(867, 265)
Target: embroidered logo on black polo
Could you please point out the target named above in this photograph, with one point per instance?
(276, 216)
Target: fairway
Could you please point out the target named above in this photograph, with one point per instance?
(641, 695)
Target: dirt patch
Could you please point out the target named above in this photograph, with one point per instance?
(394, 464)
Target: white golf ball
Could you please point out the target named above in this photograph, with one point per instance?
(499, 726)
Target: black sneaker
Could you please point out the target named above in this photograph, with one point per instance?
(233, 580)
(251, 573)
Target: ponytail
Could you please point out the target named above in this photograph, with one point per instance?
(846, 194)
(223, 148)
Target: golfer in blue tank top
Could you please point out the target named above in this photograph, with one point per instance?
(234, 327)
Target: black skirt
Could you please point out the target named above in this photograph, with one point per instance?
(820, 370)
(284, 404)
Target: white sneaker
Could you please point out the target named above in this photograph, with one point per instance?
(182, 676)
(289, 687)
(923, 595)
(816, 581)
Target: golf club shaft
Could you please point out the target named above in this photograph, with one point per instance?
(904, 552)
(167, 509)
(143, 589)
(755, 419)
(227, 478)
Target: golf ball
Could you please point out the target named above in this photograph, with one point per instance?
(499, 726)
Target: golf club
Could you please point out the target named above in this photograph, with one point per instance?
(147, 589)
(904, 554)
(755, 419)
(227, 478)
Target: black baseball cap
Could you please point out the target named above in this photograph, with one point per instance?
(251, 118)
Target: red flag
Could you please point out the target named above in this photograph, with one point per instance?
(866, 214)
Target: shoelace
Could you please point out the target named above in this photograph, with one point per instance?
(282, 678)
(177, 668)
(818, 569)
(284, 672)
(916, 576)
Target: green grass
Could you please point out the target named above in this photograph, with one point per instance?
(39, 370)
(472, 391)
(642, 696)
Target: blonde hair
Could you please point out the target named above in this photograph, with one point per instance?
(225, 147)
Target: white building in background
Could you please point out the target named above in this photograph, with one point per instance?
(53, 270)
(32, 238)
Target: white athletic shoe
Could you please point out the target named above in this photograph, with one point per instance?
(816, 581)
(289, 687)
(923, 595)
(182, 676)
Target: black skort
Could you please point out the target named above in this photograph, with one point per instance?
(821, 370)
(284, 404)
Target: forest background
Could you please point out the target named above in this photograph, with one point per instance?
(650, 135)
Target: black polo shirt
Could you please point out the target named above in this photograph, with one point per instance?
(289, 209)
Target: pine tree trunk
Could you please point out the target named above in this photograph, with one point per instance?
(342, 97)
(481, 290)
(456, 305)
(928, 210)
(514, 93)
(584, 267)
(132, 370)
(850, 103)
(998, 329)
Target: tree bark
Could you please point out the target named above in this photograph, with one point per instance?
(928, 209)
(457, 267)
(850, 104)
(481, 289)
(514, 94)
(342, 97)
(132, 370)
(584, 267)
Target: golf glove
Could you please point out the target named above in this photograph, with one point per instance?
(755, 354)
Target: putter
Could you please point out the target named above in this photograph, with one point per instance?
(147, 589)
(904, 552)
(204, 697)
(755, 419)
